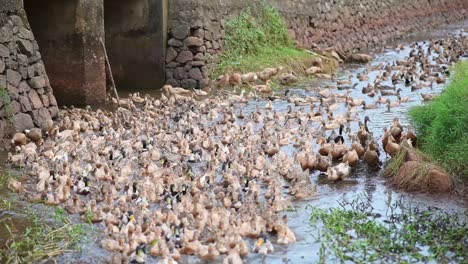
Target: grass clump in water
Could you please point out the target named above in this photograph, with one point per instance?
(258, 39)
(406, 234)
(40, 240)
(443, 124)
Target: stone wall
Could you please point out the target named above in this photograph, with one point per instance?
(26, 98)
(196, 27)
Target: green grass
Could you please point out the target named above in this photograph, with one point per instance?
(405, 234)
(443, 124)
(258, 39)
(40, 240)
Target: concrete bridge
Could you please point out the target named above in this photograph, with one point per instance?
(69, 34)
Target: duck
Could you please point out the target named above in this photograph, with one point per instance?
(339, 172)
(267, 73)
(288, 78)
(396, 129)
(427, 97)
(19, 139)
(351, 157)
(263, 88)
(340, 139)
(170, 91)
(263, 246)
(371, 157)
(391, 148)
(365, 106)
(412, 136)
(248, 78)
(322, 162)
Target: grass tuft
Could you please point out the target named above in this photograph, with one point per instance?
(255, 42)
(443, 125)
(41, 240)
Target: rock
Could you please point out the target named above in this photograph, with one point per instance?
(195, 74)
(45, 100)
(180, 73)
(171, 54)
(2, 66)
(193, 41)
(16, 20)
(42, 118)
(52, 100)
(25, 46)
(184, 56)
(175, 43)
(13, 77)
(180, 32)
(22, 121)
(4, 51)
(189, 83)
(13, 92)
(359, 58)
(38, 82)
(54, 112)
(25, 104)
(22, 60)
(15, 107)
(35, 100)
(23, 87)
(25, 34)
(208, 35)
(6, 34)
(199, 33)
(199, 57)
(197, 63)
(204, 83)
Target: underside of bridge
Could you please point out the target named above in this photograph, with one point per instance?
(69, 34)
(135, 41)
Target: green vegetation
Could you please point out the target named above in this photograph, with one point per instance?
(40, 240)
(404, 235)
(255, 42)
(6, 101)
(443, 125)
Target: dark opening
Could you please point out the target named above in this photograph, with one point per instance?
(135, 42)
(53, 24)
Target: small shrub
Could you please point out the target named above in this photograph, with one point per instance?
(258, 38)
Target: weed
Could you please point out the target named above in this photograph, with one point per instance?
(443, 124)
(356, 233)
(6, 101)
(40, 240)
(256, 42)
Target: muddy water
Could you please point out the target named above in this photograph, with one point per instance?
(362, 182)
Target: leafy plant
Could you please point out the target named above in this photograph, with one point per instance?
(405, 234)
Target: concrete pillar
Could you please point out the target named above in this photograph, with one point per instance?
(68, 34)
(90, 26)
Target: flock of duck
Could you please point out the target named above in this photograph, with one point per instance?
(190, 174)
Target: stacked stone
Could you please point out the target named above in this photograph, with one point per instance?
(187, 52)
(27, 100)
(197, 27)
